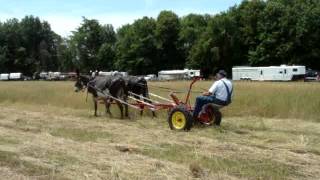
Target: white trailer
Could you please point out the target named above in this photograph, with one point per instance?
(271, 73)
(43, 75)
(150, 77)
(178, 74)
(16, 76)
(53, 76)
(112, 73)
(193, 73)
(4, 77)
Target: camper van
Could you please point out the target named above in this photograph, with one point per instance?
(271, 73)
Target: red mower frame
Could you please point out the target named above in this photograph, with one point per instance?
(179, 112)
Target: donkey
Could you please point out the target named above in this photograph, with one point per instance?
(100, 85)
(139, 86)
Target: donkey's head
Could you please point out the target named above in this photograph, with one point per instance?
(81, 82)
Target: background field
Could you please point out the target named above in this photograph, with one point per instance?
(271, 131)
(297, 100)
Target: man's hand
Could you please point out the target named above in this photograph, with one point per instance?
(206, 94)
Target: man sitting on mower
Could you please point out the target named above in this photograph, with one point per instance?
(220, 94)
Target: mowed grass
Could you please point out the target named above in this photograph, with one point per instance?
(47, 131)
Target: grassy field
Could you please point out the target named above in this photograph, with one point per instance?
(271, 131)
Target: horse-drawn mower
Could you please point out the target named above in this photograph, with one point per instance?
(179, 112)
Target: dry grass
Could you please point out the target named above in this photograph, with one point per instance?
(48, 132)
(262, 99)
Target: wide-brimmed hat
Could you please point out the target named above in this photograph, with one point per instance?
(223, 73)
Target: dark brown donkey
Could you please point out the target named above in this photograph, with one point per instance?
(138, 86)
(99, 86)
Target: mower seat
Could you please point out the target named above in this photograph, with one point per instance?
(215, 106)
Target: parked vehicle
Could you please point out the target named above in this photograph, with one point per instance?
(150, 77)
(16, 76)
(43, 75)
(113, 73)
(178, 74)
(271, 73)
(4, 77)
(312, 75)
(56, 76)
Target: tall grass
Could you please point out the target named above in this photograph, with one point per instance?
(264, 99)
(275, 99)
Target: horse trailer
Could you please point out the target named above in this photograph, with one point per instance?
(271, 73)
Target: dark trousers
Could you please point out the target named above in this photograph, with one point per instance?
(203, 100)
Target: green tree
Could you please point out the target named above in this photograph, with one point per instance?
(11, 44)
(247, 16)
(215, 48)
(27, 46)
(65, 56)
(192, 27)
(304, 15)
(106, 57)
(137, 47)
(167, 32)
(88, 39)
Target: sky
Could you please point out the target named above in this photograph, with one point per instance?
(66, 15)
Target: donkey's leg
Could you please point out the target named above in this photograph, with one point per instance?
(124, 97)
(108, 102)
(95, 103)
(146, 95)
(126, 106)
(121, 108)
(121, 95)
(141, 109)
(153, 112)
(139, 98)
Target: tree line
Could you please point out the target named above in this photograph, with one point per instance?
(255, 32)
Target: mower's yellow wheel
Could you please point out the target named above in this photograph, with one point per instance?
(180, 119)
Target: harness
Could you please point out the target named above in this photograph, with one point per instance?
(228, 92)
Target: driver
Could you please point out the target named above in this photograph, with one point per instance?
(220, 93)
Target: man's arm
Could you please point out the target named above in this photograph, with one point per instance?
(212, 89)
(207, 93)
